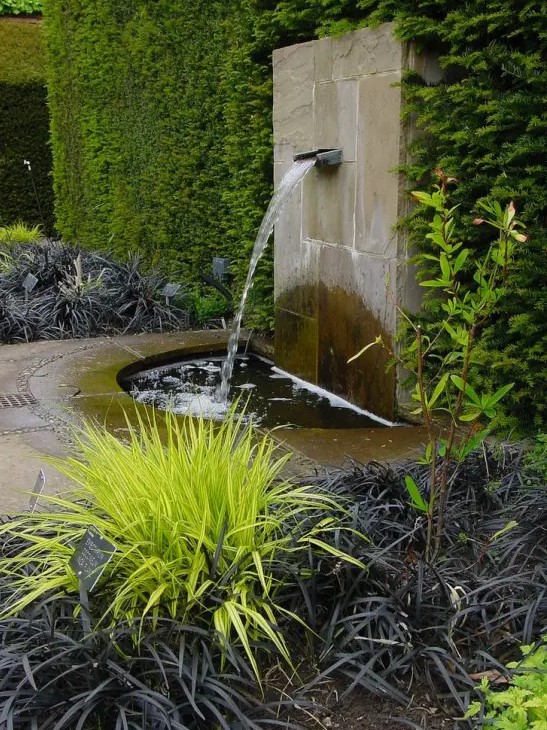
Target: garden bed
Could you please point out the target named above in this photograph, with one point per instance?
(391, 639)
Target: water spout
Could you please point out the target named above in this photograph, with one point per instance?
(323, 156)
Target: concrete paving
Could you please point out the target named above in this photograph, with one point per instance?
(47, 388)
(27, 439)
(33, 433)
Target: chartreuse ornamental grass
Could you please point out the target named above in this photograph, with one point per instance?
(200, 520)
(19, 232)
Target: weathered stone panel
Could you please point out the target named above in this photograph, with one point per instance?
(379, 140)
(328, 201)
(340, 261)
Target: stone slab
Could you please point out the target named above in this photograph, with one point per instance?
(293, 70)
(296, 351)
(328, 196)
(335, 116)
(366, 51)
(380, 149)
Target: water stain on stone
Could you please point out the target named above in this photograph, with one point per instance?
(318, 347)
(346, 326)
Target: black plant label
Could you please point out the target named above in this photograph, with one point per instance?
(92, 555)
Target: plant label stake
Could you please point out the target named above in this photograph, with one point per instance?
(169, 290)
(220, 268)
(90, 558)
(37, 491)
(29, 282)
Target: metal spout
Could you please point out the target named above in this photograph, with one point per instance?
(323, 157)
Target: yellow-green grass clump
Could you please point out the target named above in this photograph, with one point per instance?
(201, 522)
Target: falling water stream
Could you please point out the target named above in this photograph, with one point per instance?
(288, 183)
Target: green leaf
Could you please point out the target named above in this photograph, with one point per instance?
(438, 390)
(377, 341)
(424, 198)
(414, 493)
(509, 526)
(471, 444)
(445, 267)
(471, 415)
(499, 394)
(435, 283)
(467, 389)
(460, 260)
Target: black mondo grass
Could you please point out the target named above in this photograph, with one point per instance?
(80, 294)
(54, 676)
(403, 619)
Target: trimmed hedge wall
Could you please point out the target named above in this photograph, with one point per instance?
(162, 133)
(159, 138)
(24, 125)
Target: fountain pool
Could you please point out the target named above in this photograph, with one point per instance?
(270, 396)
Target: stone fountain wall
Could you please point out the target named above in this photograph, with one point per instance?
(340, 262)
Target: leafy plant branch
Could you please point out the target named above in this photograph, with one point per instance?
(469, 289)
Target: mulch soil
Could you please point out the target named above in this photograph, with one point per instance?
(362, 710)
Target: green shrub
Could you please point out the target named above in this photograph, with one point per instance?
(199, 526)
(523, 705)
(15, 7)
(207, 306)
(161, 145)
(536, 459)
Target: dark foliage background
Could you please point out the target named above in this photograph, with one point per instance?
(162, 121)
(80, 294)
(24, 125)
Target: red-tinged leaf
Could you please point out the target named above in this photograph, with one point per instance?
(478, 221)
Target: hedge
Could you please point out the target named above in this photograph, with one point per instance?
(486, 124)
(159, 139)
(162, 133)
(24, 125)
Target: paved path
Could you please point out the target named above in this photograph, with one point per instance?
(27, 438)
(34, 396)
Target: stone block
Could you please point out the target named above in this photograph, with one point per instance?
(328, 200)
(353, 311)
(295, 272)
(323, 59)
(293, 70)
(283, 153)
(426, 64)
(366, 51)
(335, 116)
(380, 149)
(371, 278)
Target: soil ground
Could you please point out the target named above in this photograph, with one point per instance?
(328, 709)
(363, 711)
